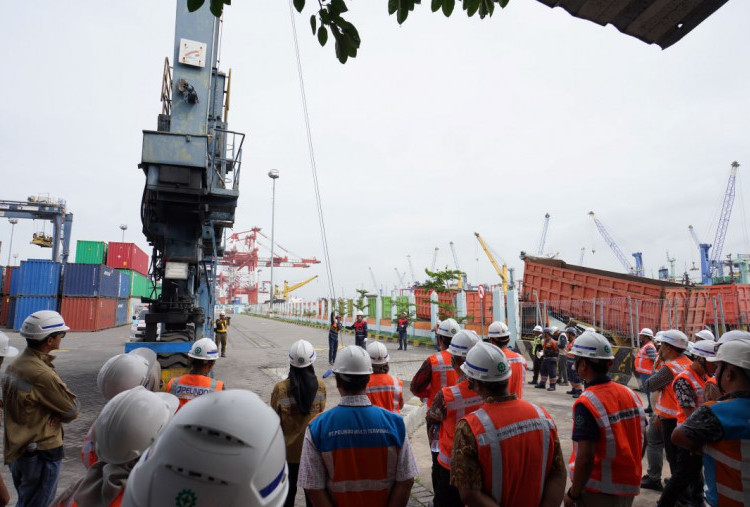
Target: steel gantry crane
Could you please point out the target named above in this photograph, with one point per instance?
(44, 208)
(543, 238)
(717, 268)
(638, 270)
(703, 252)
(461, 276)
(502, 272)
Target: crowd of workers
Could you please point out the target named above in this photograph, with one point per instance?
(200, 443)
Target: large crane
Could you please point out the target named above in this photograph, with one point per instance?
(374, 281)
(400, 277)
(411, 271)
(458, 267)
(638, 270)
(43, 208)
(290, 288)
(543, 238)
(502, 272)
(703, 252)
(434, 258)
(717, 268)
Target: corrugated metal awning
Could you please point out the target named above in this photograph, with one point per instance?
(661, 22)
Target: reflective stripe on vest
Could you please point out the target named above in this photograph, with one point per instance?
(726, 463)
(190, 386)
(459, 401)
(443, 374)
(644, 364)
(385, 391)
(617, 463)
(288, 402)
(698, 385)
(665, 404)
(88, 450)
(518, 376)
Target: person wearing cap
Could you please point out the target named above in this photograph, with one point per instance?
(673, 344)
(356, 453)
(644, 361)
(712, 392)
(507, 451)
(608, 428)
(450, 405)
(536, 357)
(686, 483)
(360, 329)
(436, 373)
(499, 335)
(550, 353)
(563, 338)
(203, 355)
(402, 325)
(333, 336)
(298, 400)
(384, 390)
(36, 402)
(720, 430)
(220, 332)
(576, 384)
(6, 350)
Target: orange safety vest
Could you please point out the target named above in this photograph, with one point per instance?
(459, 401)
(697, 383)
(386, 391)
(518, 373)
(617, 460)
(443, 374)
(70, 502)
(88, 451)
(665, 404)
(642, 362)
(516, 444)
(191, 386)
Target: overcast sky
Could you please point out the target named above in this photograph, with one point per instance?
(439, 128)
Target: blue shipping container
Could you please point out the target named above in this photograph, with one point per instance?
(11, 313)
(27, 305)
(90, 280)
(121, 312)
(36, 277)
(124, 287)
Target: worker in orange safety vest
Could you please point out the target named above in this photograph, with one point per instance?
(203, 355)
(384, 390)
(644, 361)
(499, 335)
(608, 428)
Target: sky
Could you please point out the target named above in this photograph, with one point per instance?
(440, 128)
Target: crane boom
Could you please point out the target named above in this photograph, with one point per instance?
(703, 256)
(434, 258)
(580, 259)
(374, 281)
(611, 242)
(400, 277)
(458, 268)
(721, 230)
(411, 270)
(290, 288)
(501, 271)
(543, 238)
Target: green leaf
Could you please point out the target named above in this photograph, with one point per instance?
(392, 6)
(322, 35)
(339, 6)
(194, 5)
(299, 5)
(402, 12)
(436, 4)
(341, 55)
(471, 6)
(314, 23)
(503, 3)
(217, 6)
(448, 6)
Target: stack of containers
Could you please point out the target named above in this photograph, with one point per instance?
(5, 295)
(132, 263)
(33, 287)
(90, 296)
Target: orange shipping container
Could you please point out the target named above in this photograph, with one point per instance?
(88, 314)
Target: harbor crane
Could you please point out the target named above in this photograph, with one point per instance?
(400, 277)
(704, 258)
(434, 258)
(580, 259)
(290, 288)
(374, 281)
(543, 238)
(43, 208)
(411, 271)
(502, 272)
(717, 268)
(638, 270)
(458, 268)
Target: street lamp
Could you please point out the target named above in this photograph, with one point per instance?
(274, 175)
(13, 222)
(124, 228)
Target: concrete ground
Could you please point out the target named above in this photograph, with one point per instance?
(257, 359)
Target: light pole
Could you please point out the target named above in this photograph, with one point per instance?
(124, 228)
(13, 222)
(274, 175)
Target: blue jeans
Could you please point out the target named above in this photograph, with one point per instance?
(333, 346)
(402, 339)
(35, 480)
(642, 377)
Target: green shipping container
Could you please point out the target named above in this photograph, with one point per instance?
(371, 302)
(387, 304)
(91, 252)
(140, 286)
(402, 305)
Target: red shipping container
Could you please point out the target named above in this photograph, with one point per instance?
(7, 278)
(127, 256)
(4, 307)
(88, 314)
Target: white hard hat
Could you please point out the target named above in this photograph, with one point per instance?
(222, 448)
(122, 372)
(39, 325)
(301, 354)
(704, 348)
(205, 349)
(646, 332)
(736, 352)
(378, 353)
(590, 329)
(448, 328)
(353, 360)
(538, 329)
(130, 422)
(705, 334)
(675, 338)
(486, 362)
(498, 330)
(6, 350)
(360, 313)
(554, 329)
(733, 335)
(462, 343)
(592, 346)
(154, 381)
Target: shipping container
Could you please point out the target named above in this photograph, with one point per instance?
(36, 277)
(127, 256)
(91, 280)
(11, 313)
(7, 279)
(140, 285)
(123, 283)
(474, 307)
(4, 309)
(121, 312)
(422, 299)
(26, 305)
(91, 252)
(88, 314)
(2, 278)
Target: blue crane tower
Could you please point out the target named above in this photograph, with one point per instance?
(717, 268)
(705, 262)
(638, 256)
(36, 208)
